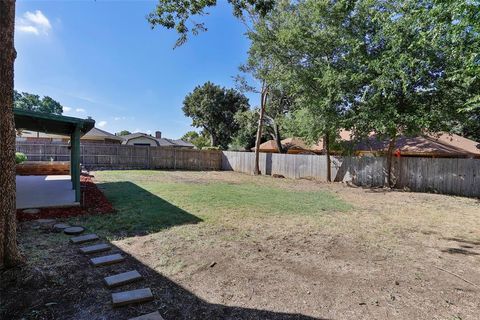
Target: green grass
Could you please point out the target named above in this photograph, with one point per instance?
(149, 201)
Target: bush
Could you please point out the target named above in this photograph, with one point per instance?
(211, 148)
(20, 157)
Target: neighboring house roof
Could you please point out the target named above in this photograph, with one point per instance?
(93, 134)
(293, 144)
(128, 137)
(458, 142)
(99, 134)
(181, 143)
(161, 142)
(440, 145)
(420, 145)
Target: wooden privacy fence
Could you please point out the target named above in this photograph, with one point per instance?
(105, 156)
(440, 175)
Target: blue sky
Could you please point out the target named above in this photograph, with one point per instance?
(102, 59)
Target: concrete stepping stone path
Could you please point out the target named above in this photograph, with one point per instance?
(31, 211)
(95, 248)
(129, 297)
(106, 260)
(122, 278)
(85, 238)
(46, 221)
(151, 316)
(61, 226)
(73, 230)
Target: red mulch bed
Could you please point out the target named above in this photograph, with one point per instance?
(95, 202)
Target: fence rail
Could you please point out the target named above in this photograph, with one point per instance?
(440, 175)
(105, 156)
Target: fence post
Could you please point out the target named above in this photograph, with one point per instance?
(149, 166)
(174, 159)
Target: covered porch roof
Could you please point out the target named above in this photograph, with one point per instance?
(58, 124)
(50, 123)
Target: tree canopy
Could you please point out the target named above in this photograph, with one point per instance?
(178, 14)
(123, 133)
(199, 140)
(213, 109)
(33, 102)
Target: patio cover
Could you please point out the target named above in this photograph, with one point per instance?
(57, 124)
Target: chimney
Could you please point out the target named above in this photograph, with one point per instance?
(158, 134)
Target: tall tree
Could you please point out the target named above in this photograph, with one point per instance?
(33, 102)
(9, 253)
(418, 79)
(310, 45)
(213, 108)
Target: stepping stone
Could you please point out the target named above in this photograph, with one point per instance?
(46, 221)
(134, 296)
(85, 238)
(151, 316)
(106, 260)
(122, 278)
(95, 248)
(73, 230)
(31, 211)
(61, 226)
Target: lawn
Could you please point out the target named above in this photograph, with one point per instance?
(223, 245)
(149, 201)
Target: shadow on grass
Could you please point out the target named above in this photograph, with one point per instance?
(138, 211)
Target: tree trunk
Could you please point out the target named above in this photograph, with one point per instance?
(327, 153)
(9, 253)
(213, 141)
(391, 148)
(277, 137)
(263, 102)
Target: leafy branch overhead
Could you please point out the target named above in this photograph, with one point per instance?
(179, 14)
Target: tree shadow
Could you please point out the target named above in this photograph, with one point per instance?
(138, 211)
(475, 243)
(176, 302)
(141, 212)
(460, 251)
(77, 291)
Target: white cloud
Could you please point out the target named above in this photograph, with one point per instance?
(119, 118)
(28, 29)
(80, 110)
(102, 124)
(34, 23)
(67, 109)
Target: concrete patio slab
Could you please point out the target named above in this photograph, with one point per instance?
(44, 192)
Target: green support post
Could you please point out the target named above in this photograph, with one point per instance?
(75, 162)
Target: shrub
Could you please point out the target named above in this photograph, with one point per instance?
(211, 148)
(20, 157)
